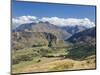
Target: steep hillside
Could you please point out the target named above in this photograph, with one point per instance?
(35, 39)
(83, 35)
(84, 44)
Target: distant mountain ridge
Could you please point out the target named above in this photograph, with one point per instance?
(63, 32)
(74, 29)
(83, 35)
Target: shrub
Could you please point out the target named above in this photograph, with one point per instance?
(39, 60)
(27, 57)
(17, 59)
(43, 52)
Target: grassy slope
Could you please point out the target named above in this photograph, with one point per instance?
(54, 64)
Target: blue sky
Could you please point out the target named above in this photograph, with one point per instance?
(51, 10)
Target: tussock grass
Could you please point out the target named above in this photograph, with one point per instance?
(56, 64)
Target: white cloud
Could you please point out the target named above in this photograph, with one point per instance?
(53, 20)
(22, 20)
(68, 21)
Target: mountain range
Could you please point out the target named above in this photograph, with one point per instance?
(62, 32)
(46, 34)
